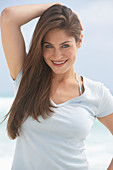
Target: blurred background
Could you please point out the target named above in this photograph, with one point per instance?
(95, 57)
(95, 61)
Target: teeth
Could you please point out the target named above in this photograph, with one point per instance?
(59, 62)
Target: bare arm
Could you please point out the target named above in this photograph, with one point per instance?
(12, 18)
(110, 166)
(108, 122)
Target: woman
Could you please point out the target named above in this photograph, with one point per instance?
(54, 108)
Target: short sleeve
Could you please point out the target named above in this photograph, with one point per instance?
(106, 102)
(17, 82)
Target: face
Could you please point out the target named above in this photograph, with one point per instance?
(59, 51)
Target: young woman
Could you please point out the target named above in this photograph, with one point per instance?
(54, 108)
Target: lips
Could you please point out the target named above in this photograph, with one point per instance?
(59, 62)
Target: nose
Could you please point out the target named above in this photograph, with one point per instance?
(57, 54)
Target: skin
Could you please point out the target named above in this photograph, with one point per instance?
(12, 18)
(60, 47)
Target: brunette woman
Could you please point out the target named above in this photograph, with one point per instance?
(54, 108)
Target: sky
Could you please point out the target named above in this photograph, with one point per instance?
(95, 57)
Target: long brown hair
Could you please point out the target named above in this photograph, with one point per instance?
(33, 96)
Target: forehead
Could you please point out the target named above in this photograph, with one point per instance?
(57, 35)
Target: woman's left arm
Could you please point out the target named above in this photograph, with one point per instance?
(111, 165)
(108, 122)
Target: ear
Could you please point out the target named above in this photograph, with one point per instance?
(79, 43)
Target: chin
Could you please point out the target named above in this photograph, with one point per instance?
(59, 72)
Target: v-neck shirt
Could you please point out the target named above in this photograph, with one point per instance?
(57, 143)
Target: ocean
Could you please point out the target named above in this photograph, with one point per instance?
(99, 143)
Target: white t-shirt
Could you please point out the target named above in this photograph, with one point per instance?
(57, 143)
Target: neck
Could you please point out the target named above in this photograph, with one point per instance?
(65, 77)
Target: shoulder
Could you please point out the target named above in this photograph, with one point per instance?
(97, 97)
(93, 85)
(96, 89)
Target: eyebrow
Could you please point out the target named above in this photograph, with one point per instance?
(52, 44)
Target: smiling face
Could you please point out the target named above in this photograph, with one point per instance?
(59, 51)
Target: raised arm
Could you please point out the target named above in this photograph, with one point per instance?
(12, 18)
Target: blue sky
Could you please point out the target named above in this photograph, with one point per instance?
(95, 57)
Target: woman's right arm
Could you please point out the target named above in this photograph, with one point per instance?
(12, 18)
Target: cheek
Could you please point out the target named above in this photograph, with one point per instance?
(71, 54)
(46, 55)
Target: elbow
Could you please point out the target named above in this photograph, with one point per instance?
(7, 14)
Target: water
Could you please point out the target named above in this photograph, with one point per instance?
(99, 144)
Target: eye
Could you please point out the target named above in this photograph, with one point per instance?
(48, 46)
(65, 46)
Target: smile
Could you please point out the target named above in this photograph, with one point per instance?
(59, 63)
